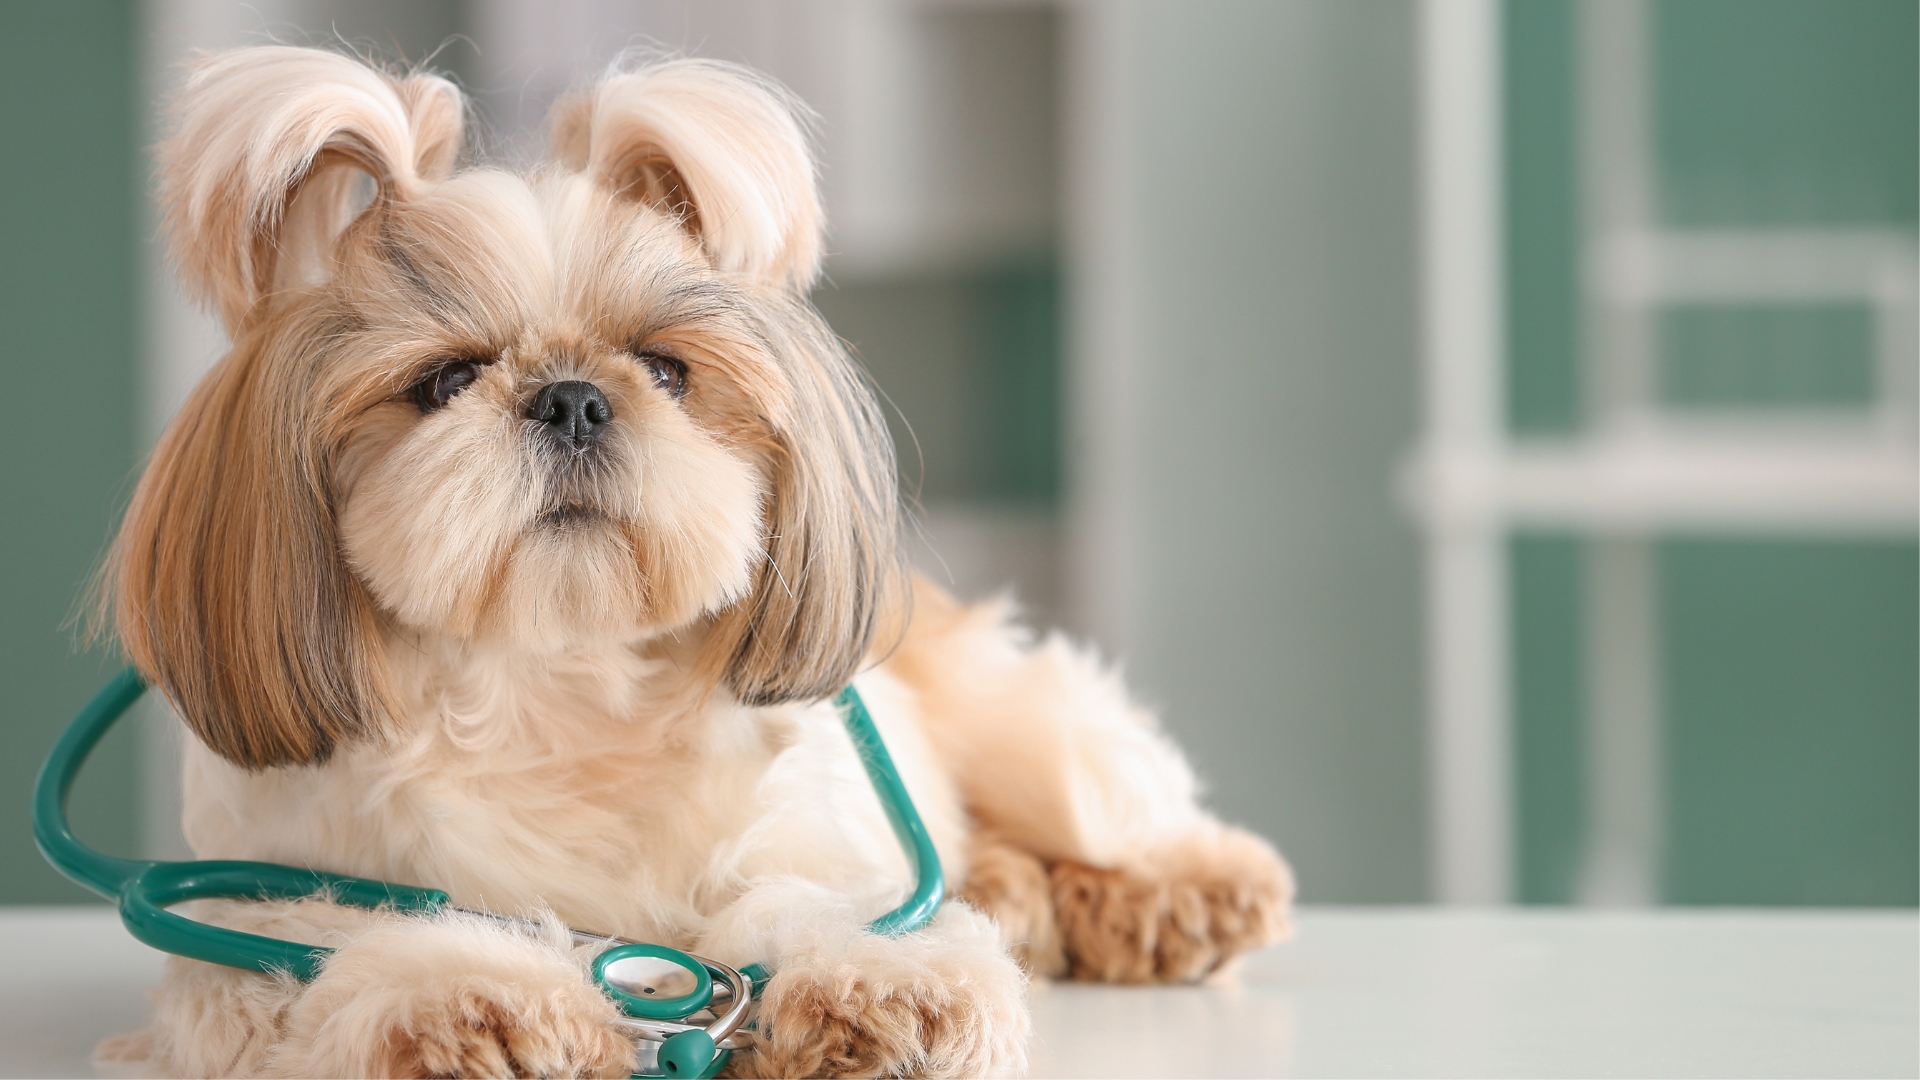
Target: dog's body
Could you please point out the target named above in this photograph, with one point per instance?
(513, 550)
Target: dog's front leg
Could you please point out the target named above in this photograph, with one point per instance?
(400, 996)
(453, 996)
(945, 1000)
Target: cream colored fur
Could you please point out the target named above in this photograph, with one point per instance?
(587, 688)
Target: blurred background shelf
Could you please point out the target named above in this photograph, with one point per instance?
(1789, 483)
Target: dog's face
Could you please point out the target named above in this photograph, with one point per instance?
(555, 417)
(584, 406)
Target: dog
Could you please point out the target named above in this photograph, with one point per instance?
(516, 548)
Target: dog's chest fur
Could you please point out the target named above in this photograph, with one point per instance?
(587, 782)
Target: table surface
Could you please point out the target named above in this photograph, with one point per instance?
(1358, 992)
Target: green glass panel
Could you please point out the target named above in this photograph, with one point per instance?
(1016, 342)
(1542, 218)
(1772, 112)
(68, 188)
(968, 361)
(1792, 711)
(910, 332)
(1767, 355)
(1547, 710)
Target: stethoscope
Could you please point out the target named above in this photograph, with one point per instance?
(685, 1011)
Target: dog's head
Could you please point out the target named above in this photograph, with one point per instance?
(588, 404)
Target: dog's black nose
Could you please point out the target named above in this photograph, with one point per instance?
(575, 412)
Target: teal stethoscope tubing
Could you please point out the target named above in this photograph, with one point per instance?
(145, 889)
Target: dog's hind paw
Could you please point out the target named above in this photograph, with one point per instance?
(1013, 888)
(1175, 917)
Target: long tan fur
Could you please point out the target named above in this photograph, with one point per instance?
(230, 587)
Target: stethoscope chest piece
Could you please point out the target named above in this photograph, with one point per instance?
(654, 982)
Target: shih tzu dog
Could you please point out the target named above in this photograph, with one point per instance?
(515, 550)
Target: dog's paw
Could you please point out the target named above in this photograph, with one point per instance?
(131, 1054)
(1175, 917)
(418, 999)
(1011, 886)
(914, 1006)
(846, 1023)
(480, 1030)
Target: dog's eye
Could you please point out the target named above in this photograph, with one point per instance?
(668, 374)
(443, 383)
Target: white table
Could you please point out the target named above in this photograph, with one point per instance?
(1359, 992)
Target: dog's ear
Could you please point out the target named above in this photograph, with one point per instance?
(230, 591)
(229, 587)
(258, 178)
(714, 145)
(832, 590)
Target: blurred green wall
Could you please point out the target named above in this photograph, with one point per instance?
(1790, 682)
(1792, 695)
(68, 326)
